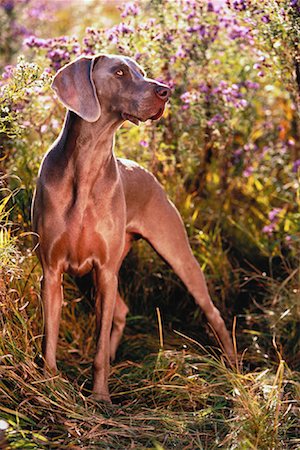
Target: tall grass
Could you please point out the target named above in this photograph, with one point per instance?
(168, 390)
(9, 254)
(167, 393)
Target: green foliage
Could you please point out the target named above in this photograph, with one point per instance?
(9, 254)
(16, 98)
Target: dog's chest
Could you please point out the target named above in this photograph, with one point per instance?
(86, 230)
(87, 238)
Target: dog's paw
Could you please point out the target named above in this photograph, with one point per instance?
(112, 356)
(102, 397)
(104, 403)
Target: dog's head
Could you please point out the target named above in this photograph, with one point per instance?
(110, 83)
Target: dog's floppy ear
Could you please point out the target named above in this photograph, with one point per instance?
(75, 88)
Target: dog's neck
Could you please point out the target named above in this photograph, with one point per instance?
(84, 151)
(90, 143)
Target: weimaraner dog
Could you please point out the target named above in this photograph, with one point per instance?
(89, 206)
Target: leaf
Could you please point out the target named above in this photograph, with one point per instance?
(258, 184)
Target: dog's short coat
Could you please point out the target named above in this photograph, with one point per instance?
(89, 206)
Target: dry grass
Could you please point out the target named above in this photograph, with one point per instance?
(181, 396)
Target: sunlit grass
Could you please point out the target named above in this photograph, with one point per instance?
(9, 255)
(180, 396)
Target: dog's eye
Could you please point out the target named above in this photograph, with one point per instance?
(120, 73)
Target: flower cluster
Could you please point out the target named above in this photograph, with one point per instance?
(189, 98)
(91, 41)
(238, 5)
(8, 71)
(241, 32)
(130, 9)
(273, 218)
(96, 39)
(116, 33)
(231, 94)
(10, 5)
(296, 166)
(58, 50)
(295, 4)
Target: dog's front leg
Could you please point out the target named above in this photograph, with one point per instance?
(107, 285)
(51, 290)
(119, 322)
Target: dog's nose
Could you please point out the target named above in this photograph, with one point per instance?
(163, 92)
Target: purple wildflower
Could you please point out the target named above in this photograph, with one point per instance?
(8, 5)
(41, 11)
(191, 15)
(58, 49)
(217, 118)
(144, 143)
(20, 30)
(124, 28)
(239, 32)
(204, 88)
(239, 5)
(33, 41)
(237, 156)
(268, 229)
(248, 171)
(202, 31)
(242, 103)
(130, 9)
(210, 7)
(189, 98)
(274, 214)
(251, 84)
(181, 52)
(273, 217)
(296, 166)
(194, 28)
(8, 71)
(169, 37)
(114, 33)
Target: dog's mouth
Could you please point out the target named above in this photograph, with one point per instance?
(131, 118)
(136, 120)
(158, 114)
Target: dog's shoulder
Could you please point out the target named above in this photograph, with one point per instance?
(129, 167)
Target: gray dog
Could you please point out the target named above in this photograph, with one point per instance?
(89, 206)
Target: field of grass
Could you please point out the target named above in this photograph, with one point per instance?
(168, 390)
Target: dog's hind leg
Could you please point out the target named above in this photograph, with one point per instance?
(164, 230)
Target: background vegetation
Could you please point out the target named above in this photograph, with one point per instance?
(227, 151)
